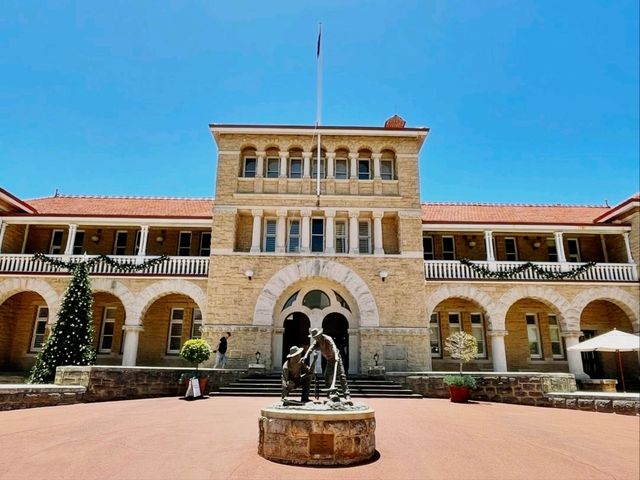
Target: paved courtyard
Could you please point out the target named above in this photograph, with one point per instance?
(217, 438)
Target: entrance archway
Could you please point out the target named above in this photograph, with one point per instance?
(296, 332)
(336, 326)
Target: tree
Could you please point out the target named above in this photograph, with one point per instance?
(71, 341)
(462, 347)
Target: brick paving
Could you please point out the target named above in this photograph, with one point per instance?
(216, 438)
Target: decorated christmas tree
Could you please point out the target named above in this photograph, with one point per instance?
(71, 341)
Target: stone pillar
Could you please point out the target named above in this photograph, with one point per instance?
(353, 161)
(306, 164)
(3, 228)
(376, 165)
(260, 164)
(305, 238)
(331, 158)
(573, 357)
(627, 245)
(498, 351)
(284, 156)
(144, 234)
(71, 239)
(257, 224)
(354, 246)
(377, 233)
(130, 350)
(330, 236)
(281, 230)
(488, 243)
(560, 247)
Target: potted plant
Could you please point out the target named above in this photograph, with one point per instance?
(464, 348)
(195, 351)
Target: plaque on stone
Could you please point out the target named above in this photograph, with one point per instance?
(321, 444)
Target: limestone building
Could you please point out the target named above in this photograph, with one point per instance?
(355, 253)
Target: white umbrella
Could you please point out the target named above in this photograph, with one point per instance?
(613, 341)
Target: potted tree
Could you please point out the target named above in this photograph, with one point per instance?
(195, 351)
(464, 348)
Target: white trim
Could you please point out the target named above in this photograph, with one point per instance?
(39, 318)
(105, 320)
(340, 131)
(111, 221)
(172, 322)
(538, 228)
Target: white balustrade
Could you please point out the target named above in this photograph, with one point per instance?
(173, 266)
(601, 272)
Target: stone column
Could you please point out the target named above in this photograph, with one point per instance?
(498, 351)
(353, 161)
(130, 350)
(331, 158)
(257, 224)
(560, 247)
(306, 164)
(144, 234)
(284, 156)
(260, 164)
(330, 236)
(488, 243)
(354, 246)
(71, 239)
(627, 245)
(574, 358)
(305, 239)
(3, 228)
(281, 230)
(377, 233)
(376, 165)
(276, 349)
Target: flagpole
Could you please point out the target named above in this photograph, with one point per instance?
(318, 107)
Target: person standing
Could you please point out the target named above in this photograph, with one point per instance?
(221, 352)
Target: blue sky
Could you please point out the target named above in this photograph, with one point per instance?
(532, 102)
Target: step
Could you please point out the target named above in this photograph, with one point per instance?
(353, 395)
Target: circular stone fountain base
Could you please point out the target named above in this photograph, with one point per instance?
(318, 435)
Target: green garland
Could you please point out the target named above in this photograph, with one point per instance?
(512, 272)
(126, 267)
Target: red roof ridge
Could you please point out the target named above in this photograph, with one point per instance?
(121, 197)
(489, 204)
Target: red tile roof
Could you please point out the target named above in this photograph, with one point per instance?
(108, 206)
(511, 213)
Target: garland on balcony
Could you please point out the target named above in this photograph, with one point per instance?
(71, 339)
(126, 267)
(512, 272)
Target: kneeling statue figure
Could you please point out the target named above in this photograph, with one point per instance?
(295, 373)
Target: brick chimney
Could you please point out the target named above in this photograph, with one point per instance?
(395, 122)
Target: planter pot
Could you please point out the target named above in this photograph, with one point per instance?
(459, 394)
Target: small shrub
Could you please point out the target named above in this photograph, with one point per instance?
(196, 351)
(460, 381)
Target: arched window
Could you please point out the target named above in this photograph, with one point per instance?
(342, 301)
(316, 299)
(289, 302)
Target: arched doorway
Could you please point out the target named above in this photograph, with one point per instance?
(296, 332)
(337, 327)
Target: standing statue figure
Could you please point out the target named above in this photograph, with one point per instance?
(296, 373)
(334, 370)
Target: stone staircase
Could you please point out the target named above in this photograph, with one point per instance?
(269, 386)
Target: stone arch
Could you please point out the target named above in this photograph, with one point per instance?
(627, 303)
(263, 313)
(468, 293)
(118, 290)
(162, 288)
(543, 294)
(12, 286)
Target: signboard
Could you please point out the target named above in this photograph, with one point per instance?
(194, 388)
(321, 444)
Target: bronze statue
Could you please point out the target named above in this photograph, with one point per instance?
(295, 373)
(334, 369)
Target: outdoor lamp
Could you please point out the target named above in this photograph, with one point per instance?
(258, 356)
(160, 238)
(248, 274)
(375, 358)
(383, 275)
(95, 238)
